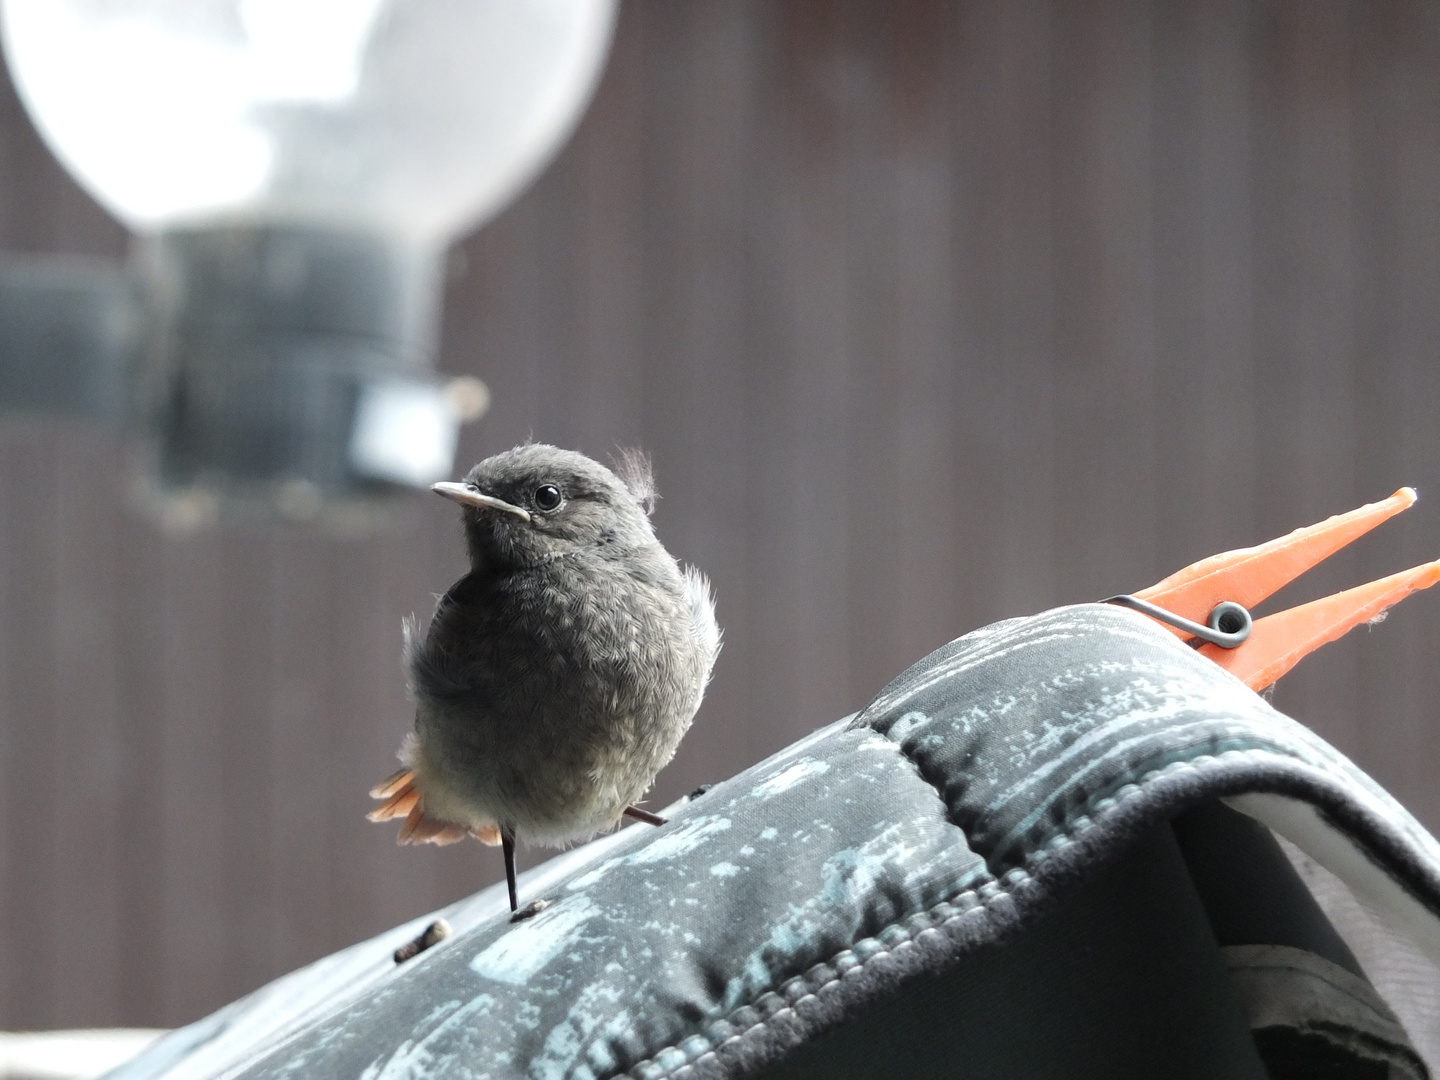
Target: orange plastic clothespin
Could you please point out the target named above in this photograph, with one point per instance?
(1211, 599)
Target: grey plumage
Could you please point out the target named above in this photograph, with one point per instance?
(558, 676)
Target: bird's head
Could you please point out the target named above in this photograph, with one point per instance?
(537, 502)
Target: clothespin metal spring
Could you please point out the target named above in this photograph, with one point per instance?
(1227, 626)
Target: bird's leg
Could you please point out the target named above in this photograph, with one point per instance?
(530, 910)
(643, 815)
(507, 844)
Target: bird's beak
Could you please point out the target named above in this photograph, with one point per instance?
(466, 495)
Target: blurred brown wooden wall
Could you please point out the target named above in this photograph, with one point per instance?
(932, 313)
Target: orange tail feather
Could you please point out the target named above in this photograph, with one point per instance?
(419, 829)
(398, 805)
(391, 784)
(402, 799)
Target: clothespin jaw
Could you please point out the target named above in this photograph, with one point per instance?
(1273, 645)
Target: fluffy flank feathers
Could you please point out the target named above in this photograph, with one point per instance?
(411, 649)
(702, 615)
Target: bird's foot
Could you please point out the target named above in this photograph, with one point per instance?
(530, 910)
(433, 934)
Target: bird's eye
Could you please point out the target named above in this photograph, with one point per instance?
(547, 497)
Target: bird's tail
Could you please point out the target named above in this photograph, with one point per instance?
(402, 799)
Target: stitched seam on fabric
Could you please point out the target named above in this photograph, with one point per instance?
(920, 775)
(986, 895)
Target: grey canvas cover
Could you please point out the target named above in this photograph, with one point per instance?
(985, 789)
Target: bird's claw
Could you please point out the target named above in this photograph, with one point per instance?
(529, 911)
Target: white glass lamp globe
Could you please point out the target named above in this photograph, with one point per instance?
(294, 170)
(417, 116)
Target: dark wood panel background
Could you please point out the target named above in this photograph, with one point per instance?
(931, 313)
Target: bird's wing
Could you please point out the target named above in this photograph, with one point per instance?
(434, 659)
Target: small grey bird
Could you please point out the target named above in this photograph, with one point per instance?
(558, 676)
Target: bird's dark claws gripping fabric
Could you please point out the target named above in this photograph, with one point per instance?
(558, 676)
